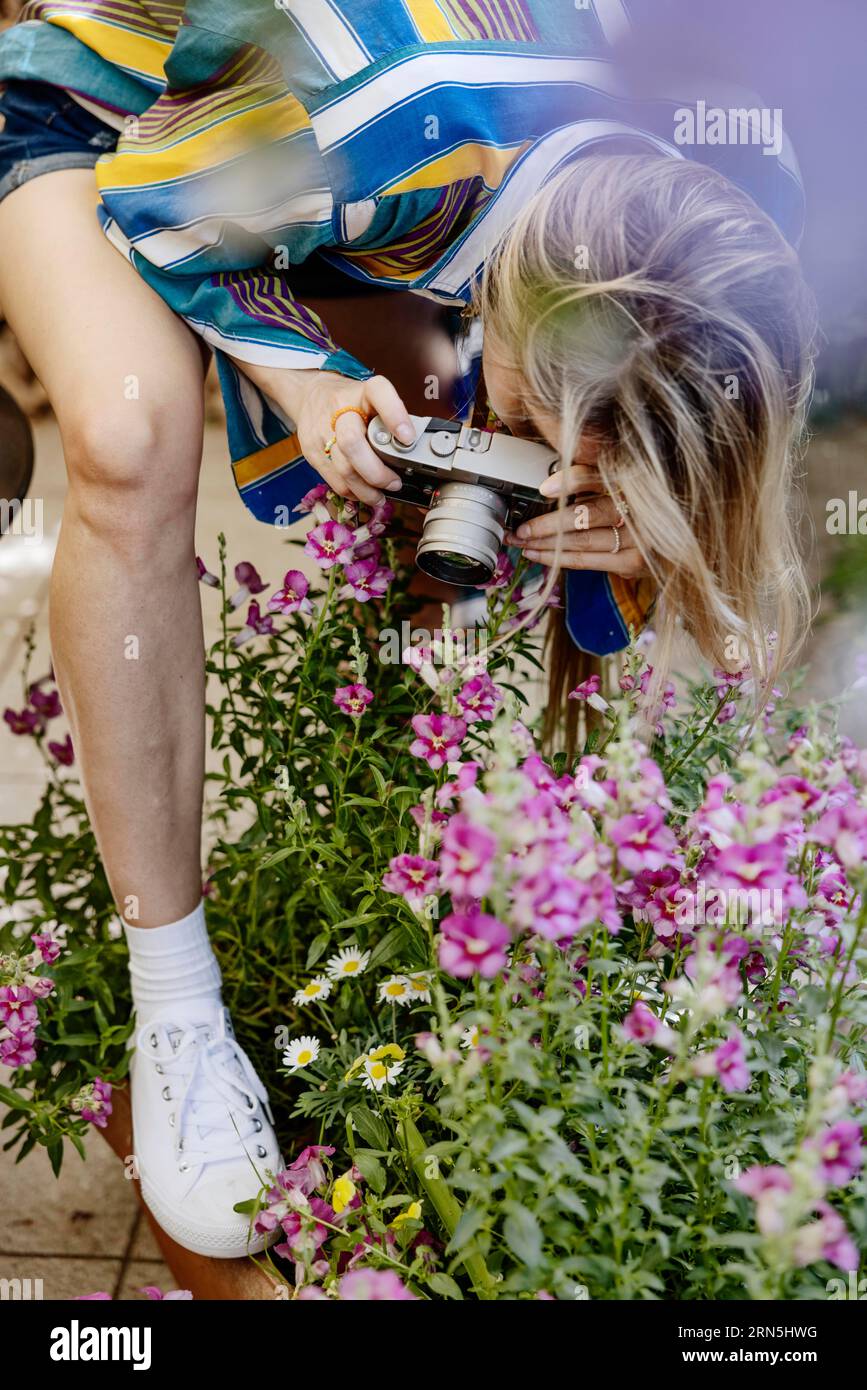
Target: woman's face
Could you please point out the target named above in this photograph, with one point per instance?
(508, 397)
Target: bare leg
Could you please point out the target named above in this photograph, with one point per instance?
(124, 377)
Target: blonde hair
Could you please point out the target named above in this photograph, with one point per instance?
(649, 303)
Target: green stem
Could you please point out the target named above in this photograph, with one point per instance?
(446, 1206)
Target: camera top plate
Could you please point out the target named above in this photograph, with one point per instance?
(450, 449)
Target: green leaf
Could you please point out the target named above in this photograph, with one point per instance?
(370, 1127)
(371, 1170)
(444, 1285)
(523, 1235)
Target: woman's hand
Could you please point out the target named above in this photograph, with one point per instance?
(587, 531)
(311, 398)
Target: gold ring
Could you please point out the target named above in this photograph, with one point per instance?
(616, 545)
(329, 445)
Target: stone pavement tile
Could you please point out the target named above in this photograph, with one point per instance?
(144, 1246)
(88, 1210)
(139, 1273)
(63, 1276)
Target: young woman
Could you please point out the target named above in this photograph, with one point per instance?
(640, 312)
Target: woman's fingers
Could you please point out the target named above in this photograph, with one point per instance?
(578, 477)
(347, 481)
(583, 516)
(381, 399)
(628, 561)
(356, 454)
(597, 542)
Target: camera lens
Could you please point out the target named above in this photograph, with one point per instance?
(462, 534)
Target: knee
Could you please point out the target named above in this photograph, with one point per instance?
(132, 471)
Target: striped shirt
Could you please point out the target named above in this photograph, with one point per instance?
(395, 139)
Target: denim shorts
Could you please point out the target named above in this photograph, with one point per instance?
(46, 129)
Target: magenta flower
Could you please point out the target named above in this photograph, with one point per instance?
(761, 865)
(365, 579)
(374, 1286)
(643, 841)
(96, 1099)
(205, 576)
(307, 1172)
(17, 1008)
(412, 876)
(255, 623)
(62, 753)
(46, 703)
(467, 858)
(730, 1064)
(25, 721)
(380, 515)
(473, 943)
(157, 1295)
(17, 1050)
(642, 1026)
(248, 577)
(438, 738)
(316, 495)
(329, 543)
(587, 688)
(478, 698)
(756, 1181)
(48, 948)
(841, 1156)
(553, 904)
(292, 597)
(826, 1239)
(844, 829)
(353, 699)
(503, 572)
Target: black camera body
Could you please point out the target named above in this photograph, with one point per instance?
(473, 485)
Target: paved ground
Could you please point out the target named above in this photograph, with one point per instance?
(84, 1233)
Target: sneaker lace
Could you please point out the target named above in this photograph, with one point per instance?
(219, 1095)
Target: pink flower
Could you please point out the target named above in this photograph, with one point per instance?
(756, 1181)
(328, 543)
(374, 1286)
(62, 753)
(479, 698)
(205, 576)
(643, 841)
(761, 865)
(730, 1064)
(48, 948)
(841, 1156)
(503, 572)
(641, 1025)
(365, 579)
(826, 1239)
(553, 904)
(844, 829)
(254, 624)
(587, 688)
(97, 1103)
(92, 1298)
(473, 943)
(353, 699)
(438, 738)
(157, 1295)
(292, 597)
(307, 1173)
(317, 494)
(17, 1050)
(17, 1008)
(412, 876)
(467, 858)
(46, 703)
(25, 721)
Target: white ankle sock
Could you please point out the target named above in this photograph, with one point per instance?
(173, 965)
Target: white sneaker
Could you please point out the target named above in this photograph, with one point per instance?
(202, 1132)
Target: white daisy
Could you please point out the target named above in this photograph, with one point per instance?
(314, 991)
(347, 963)
(379, 1072)
(395, 990)
(470, 1037)
(419, 984)
(301, 1052)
